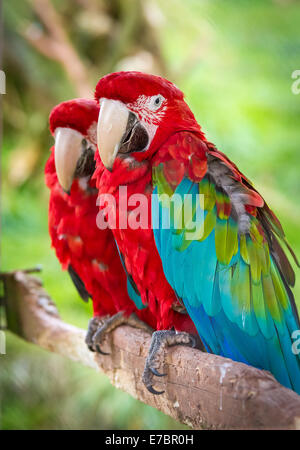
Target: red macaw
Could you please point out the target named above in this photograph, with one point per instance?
(229, 269)
(88, 253)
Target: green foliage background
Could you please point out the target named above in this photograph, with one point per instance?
(234, 62)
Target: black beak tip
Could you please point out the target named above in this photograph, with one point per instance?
(67, 191)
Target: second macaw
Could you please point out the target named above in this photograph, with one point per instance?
(88, 253)
(232, 274)
(86, 250)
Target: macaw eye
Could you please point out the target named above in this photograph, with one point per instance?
(156, 101)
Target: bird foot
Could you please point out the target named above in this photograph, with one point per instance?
(111, 324)
(93, 326)
(156, 356)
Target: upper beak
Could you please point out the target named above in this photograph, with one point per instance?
(112, 124)
(119, 131)
(67, 151)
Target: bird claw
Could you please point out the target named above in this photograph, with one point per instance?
(98, 328)
(154, 391)
(93, 326)
(160, 340)
(91, 348)
(98, 339)
(156, 373)
(100, 351)
(193, 341)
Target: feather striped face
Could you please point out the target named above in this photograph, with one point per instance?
(150, 110)
(155, 108)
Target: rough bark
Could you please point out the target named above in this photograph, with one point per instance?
(201, 390)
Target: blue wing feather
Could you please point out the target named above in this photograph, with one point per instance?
(132, 291)
(234, 306)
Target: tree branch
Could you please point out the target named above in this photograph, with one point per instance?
(56, 45)
(201, 390)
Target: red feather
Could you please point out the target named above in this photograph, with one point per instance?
(180, 144)
(72, 226)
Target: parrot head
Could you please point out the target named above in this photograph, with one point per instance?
(138, 113)
(73, 124)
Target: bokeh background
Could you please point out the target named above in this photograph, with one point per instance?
(233, 60)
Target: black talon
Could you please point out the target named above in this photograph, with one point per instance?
(98, 338)
(154, 391)
(155, 372)
(101, 351)
(193, 341)
(92, 329)
(99, 327)
(156, 356)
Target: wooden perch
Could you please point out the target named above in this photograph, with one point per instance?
(56, 45)
(202, 390)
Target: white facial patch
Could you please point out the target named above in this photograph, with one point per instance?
(150, 111)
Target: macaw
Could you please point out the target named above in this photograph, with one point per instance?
(228, 269)
(88, 253)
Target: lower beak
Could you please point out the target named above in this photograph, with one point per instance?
(67, 152)
(118, 131)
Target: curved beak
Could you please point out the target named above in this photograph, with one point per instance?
(68, 148)
(112, 123)
(118, 131)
